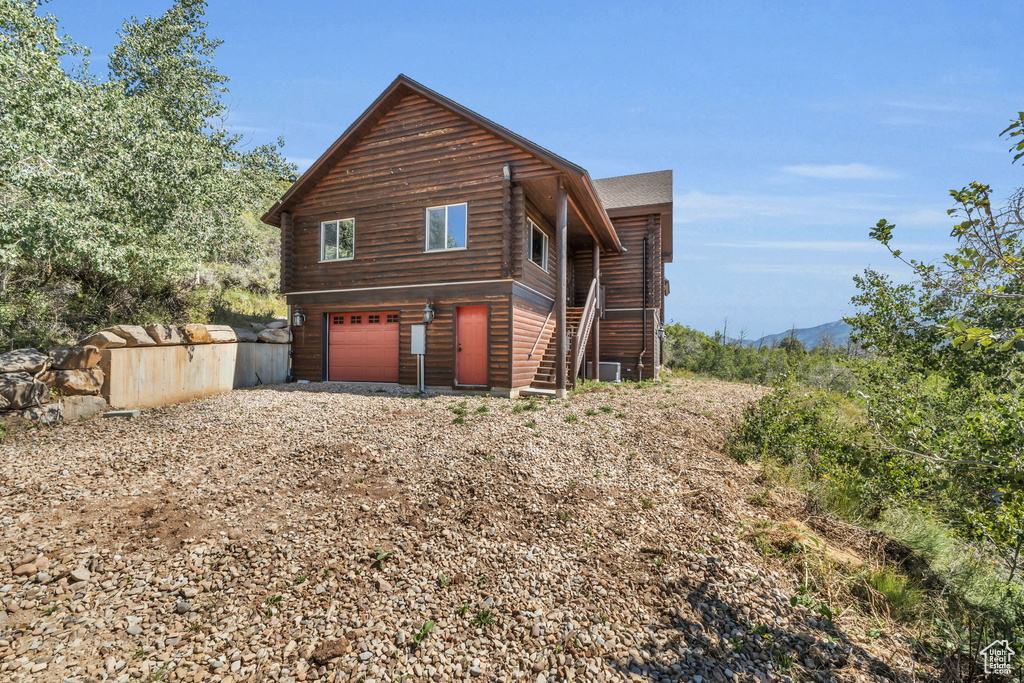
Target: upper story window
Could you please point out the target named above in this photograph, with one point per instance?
(446, 227)
(538, 247)
(338, 239)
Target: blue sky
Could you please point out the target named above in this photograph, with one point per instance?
(792, 127)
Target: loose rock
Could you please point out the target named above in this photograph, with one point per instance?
(74, 357)
(133, 335)
(166, 335)
(196, 333)
(23, 360)
(275, 336)
(104, 339)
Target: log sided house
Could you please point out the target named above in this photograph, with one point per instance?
(530, 270)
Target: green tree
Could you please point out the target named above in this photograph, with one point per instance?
(116, 191)
(988, 262)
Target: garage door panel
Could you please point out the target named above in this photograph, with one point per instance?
(363, 347)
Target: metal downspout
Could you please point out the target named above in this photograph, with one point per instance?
(640, 360)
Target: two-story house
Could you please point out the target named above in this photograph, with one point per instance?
(527, 269)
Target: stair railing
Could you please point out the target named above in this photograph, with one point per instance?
(541, 333)
(579, 340)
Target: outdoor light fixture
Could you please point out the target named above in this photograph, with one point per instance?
(298, 317)
(428, 312)
(506, 171)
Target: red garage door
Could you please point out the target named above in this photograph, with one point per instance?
(363, 347)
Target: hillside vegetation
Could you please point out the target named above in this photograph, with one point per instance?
(922, 437)
(125, 197)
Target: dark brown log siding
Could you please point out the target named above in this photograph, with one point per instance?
(622, 331)
(622, 341)
(419, 155)
(529, 314)
(622, 274)
(534, 276)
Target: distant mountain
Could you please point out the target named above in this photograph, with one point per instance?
(838, 332)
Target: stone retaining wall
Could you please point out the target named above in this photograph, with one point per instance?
(159, 376)
(129, 366)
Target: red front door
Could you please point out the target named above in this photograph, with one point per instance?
(363, 347)
(471, 345)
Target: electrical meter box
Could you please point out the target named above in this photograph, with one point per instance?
(419, 339)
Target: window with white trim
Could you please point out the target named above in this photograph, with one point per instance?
(338, 239)
(538, 250)
(446, 227)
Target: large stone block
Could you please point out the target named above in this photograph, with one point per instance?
(74, 357)
(22, 390)
(82, 407)
(47, 414)
(74, 382)
(275, 336)
(23, 360)
(277, 325)
(104, 339)
(221, 334)
(133, 335)
(197, 334)
(166, 335)
(244, 335)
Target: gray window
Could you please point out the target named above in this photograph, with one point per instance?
(538, 245)
(338, 239)
(446, 227)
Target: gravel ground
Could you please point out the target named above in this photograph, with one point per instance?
(313, 532)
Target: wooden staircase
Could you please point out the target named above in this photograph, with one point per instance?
(545, 377)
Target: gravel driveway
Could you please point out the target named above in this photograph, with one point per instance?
(314, 532)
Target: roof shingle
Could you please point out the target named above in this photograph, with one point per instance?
(639, 189)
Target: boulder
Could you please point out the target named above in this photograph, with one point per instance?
(133, 335)
(275, 336)
(103, 339)
(221, 334)
(166, 335)
(4, 403)
(82, 407)
(197, 334)
(48, 414)
(244, 335)
(74, 357)
(257, 327)
(74, 382)
(277, 325)
(21, 390)
(23, 360)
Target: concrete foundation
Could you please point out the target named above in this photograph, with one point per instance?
(152, 376)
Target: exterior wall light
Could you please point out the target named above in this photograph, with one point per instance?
(298, 317)
(428, 312)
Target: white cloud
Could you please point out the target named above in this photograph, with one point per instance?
(930, 106)
(818, 211)
(831, 272)
(796, 245)
(923, 216)
(698, 206)
(839, 171)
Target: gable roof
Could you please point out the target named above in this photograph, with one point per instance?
(579, 179)
(639, 189)
(638, 194)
